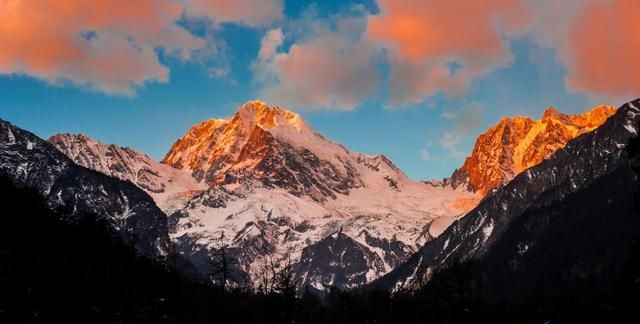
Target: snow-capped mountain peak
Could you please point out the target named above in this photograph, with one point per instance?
(278, 148)
(259, 113)
(279, 187)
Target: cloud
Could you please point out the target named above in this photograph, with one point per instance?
(424, 155)
(112, 45)
(431, 46)
(436, 45)
(465, 121)
(214, 57)
(331, 67)
(270, 43)
(595, 40)
(103, 44)
(604, 48)
(254, 13)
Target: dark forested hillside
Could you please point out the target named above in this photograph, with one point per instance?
(58, 269)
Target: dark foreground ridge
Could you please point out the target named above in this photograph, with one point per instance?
(31, 162)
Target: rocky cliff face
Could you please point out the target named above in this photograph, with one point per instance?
(32, 162)
(268, 144)
(553, 208)
(518, 143)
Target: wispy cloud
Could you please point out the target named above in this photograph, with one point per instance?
(424, 155)
(253, 13)
(465, 121)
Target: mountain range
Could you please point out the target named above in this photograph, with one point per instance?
(516, 144)
(562, 227)
(270, 188)
(277, 189)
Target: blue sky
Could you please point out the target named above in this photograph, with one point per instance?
(427, 138)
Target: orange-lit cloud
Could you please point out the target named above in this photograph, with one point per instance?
(249, 12)
(104, 44)
(604, 48)
(437, 45)
(332, 68)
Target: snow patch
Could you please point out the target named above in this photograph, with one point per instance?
(630, 128)
(11, 137)
(487, 231)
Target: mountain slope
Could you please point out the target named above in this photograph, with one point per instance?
(280, 189)
(32, 162)
(510, 212)
(273, 187)
(518, 143)
(168, 186)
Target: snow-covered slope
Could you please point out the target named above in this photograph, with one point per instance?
(168, 186)
(32, 162)
(279, 187)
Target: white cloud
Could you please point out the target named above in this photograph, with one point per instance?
(253, 13)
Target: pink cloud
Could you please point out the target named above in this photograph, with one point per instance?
(250, 12)
(424, 37)
(603, 49)
(331, 69)
(104, 44)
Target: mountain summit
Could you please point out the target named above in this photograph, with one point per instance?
(277, 148)
(518, 143)
(268, 144)
(217, 138)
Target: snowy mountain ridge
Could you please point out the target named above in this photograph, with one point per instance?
(166, 185)
(34, 163)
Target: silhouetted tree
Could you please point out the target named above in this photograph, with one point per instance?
(221, 264)
(277, 277)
